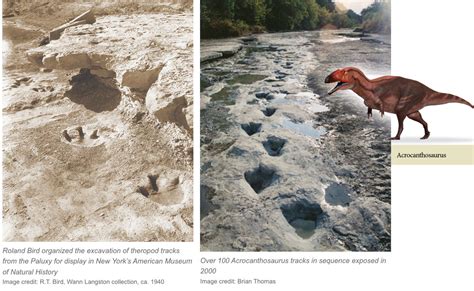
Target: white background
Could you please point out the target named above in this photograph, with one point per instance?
(432, 206)
(432, 42)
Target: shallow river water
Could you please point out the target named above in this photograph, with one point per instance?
(283, 165)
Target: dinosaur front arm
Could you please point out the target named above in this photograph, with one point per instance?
(380, 105)
(374, 103)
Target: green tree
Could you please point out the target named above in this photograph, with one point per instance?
(224, 18)
(377, 17)
(354, 17)
(250, 11)
(324, 16)
(328, 4)
(221, 9)
(341, 20)
(285, 14)
(311, 19)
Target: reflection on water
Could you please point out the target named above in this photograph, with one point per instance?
(304, 228)
(303, 128)
(308, 101)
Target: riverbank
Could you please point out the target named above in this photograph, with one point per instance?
(282, 166)
(214, 49)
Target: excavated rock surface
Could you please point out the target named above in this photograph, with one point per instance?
(215, 49)
(61, 186)
(283, 167)
(156, 51)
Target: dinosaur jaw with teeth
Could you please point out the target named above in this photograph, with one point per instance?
(339, 85)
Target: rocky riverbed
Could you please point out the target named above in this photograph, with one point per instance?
(97, 132)
(284, 167)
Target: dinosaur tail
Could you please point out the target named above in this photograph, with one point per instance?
(443, 98)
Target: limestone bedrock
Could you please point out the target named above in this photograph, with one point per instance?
(141, 51)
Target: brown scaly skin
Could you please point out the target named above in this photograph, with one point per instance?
(403, 97)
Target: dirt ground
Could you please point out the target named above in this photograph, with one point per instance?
(127, 178)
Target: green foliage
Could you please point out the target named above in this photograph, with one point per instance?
(285, 14)
(224, 18)
(221, 9)
(328, 4)
(376, 17)
(251, 12)
(354, 17)
(311, 18)
(220, 28)
(324, 16)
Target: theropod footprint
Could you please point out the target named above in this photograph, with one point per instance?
(269, 111)
(164, 190)
(274, 145)
(260, 178)
(251, 128)
(303, 216)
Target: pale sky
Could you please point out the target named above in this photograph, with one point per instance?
(356, 5)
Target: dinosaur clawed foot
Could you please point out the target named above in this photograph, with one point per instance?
(426, 136)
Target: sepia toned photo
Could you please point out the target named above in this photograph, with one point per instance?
(97, 120)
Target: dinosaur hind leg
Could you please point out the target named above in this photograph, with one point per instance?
(401, 118)
(416, 116)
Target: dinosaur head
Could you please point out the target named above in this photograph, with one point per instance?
(344, 78)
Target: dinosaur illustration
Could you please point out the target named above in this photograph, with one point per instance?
(401, 96)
